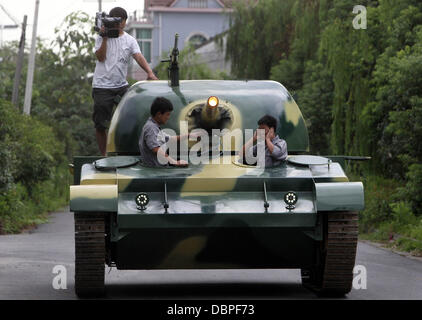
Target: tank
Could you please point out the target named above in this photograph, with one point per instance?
(302, 214)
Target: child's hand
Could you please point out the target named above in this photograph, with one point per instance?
(270, 135)
(181, 163)
(151, 76)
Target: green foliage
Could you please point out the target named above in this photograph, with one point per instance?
(63, 84)
(34, 178)
(258, 37)
(34, 150)
(407, 227)
(360, 90)
(304, 43)
(190, 67)
(29, 147)
(378, 199)
(391, 222)
(416, 232)
(412, 191)
(410, 245)
(20, 208)
(315, 99)
(349, 55)
(402, 214)
(398, 107)
(8, 54)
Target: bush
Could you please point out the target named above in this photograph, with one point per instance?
(402, 214)
(410, 245)
(190, 67)
(412, 191)
(387, 217)
(19, 209)
(34, 177)
(30, 150)
(378, 199)
(416, 232)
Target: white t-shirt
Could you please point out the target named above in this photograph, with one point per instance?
(112, 72)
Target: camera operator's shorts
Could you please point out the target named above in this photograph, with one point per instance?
(104, 102)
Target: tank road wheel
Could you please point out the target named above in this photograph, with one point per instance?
(89, 254)
(333, 276)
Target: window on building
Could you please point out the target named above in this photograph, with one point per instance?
(198, 3)
(144, 38)
(197, 40)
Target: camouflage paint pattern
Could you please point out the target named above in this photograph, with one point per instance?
(216, 216)
(93, 198)
(247, 100)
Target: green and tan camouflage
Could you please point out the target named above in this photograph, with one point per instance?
(218, 215)
(247, 101)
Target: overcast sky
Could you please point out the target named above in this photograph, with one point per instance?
(52, 13)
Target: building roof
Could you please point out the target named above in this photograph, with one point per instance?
(168, 3)
(158, 3)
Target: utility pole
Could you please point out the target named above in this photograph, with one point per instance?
(2, 27)
(100, 3)
(19, 64)
(31, 64)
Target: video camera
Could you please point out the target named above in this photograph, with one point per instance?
(110, 24)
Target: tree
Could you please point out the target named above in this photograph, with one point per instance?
(259, 36)
(190, 67)
(315, 99)
(62, 88)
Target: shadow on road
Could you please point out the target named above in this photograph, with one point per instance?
(208, 291)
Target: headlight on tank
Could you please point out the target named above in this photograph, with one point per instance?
(212, 102)
(290, 198)
(142, 201)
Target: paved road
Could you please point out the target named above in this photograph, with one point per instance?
(27, 261)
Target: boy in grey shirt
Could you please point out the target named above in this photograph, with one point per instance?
(275, 148)
(152, 137)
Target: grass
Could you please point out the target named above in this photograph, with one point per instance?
(23, 208)
(386, 219)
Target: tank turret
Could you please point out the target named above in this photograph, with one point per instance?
(241, 104)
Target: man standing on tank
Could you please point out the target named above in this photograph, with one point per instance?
(110, 74)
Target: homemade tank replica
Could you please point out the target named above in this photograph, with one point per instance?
(301, 214)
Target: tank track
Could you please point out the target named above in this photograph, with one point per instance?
(334, 274)
(89, 254)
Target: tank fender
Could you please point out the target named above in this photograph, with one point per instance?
(89, 198)
(339, 196)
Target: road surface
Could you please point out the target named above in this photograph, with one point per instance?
(27, 262)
